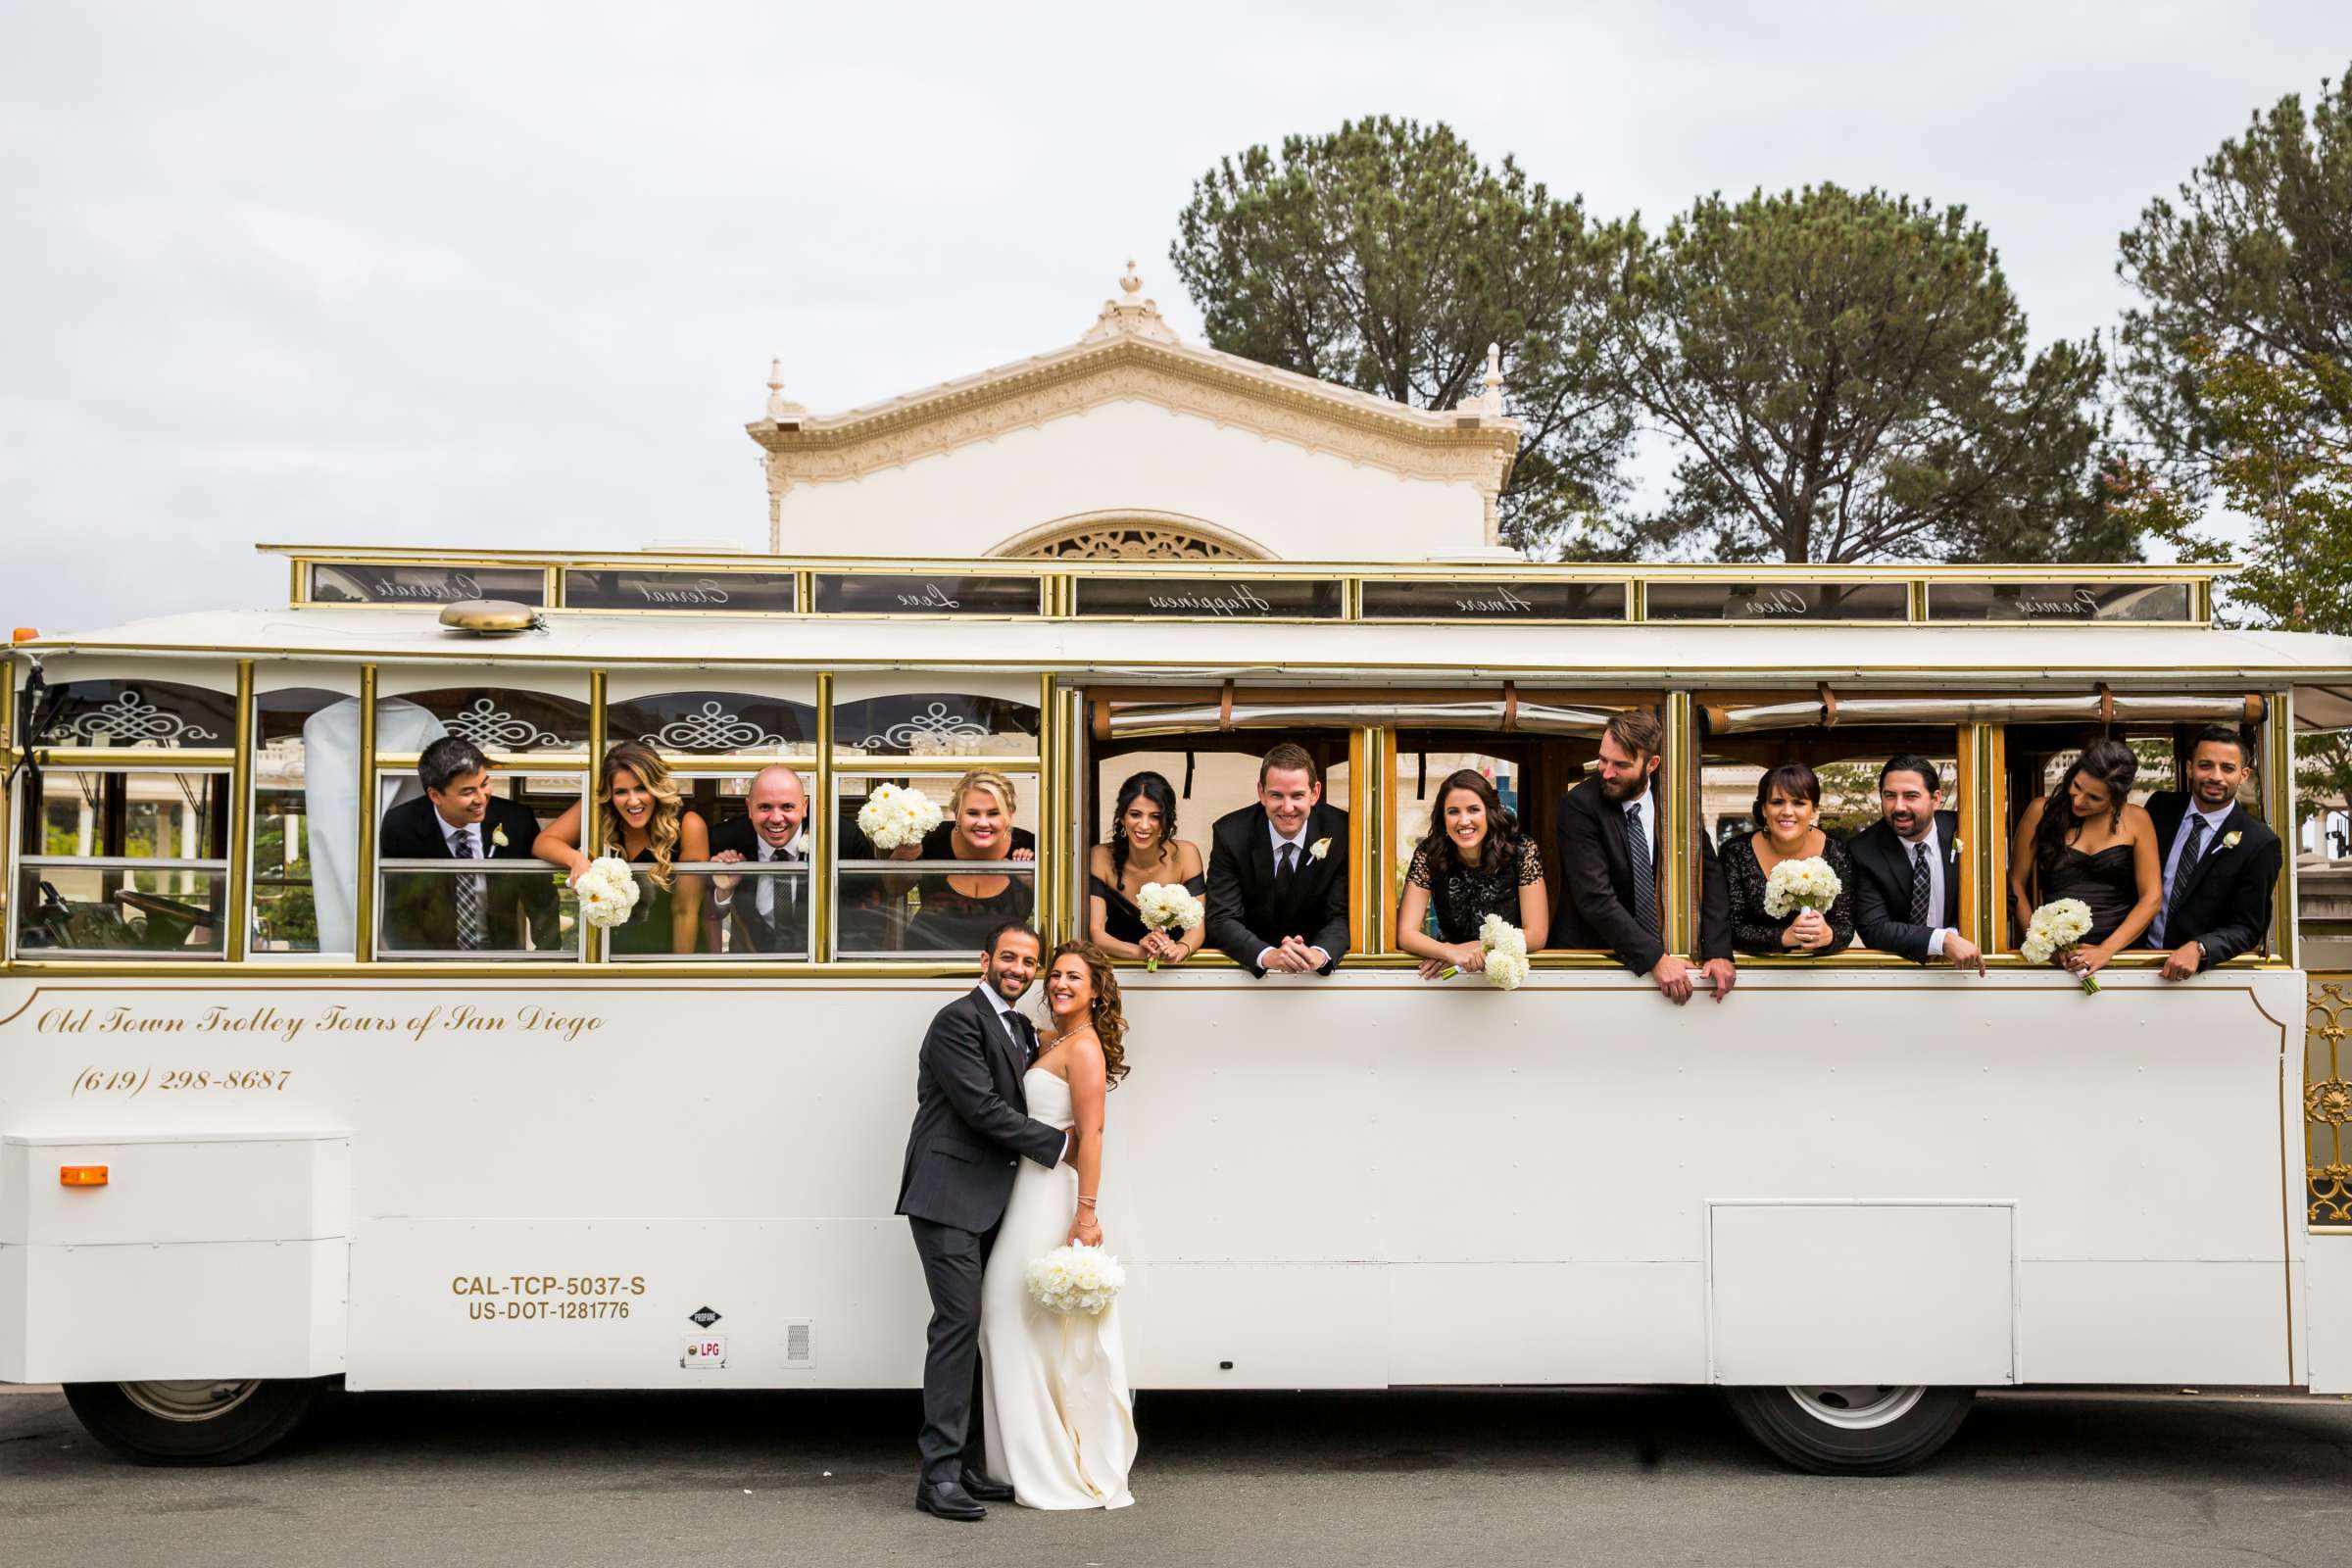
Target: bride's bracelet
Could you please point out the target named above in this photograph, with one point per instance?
(1086, 1202)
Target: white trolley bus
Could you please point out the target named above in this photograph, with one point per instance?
(253, 1138)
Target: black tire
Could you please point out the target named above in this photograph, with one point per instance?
(193, 1421)
(1801, 1431)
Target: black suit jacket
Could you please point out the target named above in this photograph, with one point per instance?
(1882, 868)
(788, 931)
(1246, 915)
(2228, 901)
(422, 912)
(971, 1120)
(1597, 910)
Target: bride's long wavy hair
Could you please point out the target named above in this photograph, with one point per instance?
(663, 826)
(1103, 1011)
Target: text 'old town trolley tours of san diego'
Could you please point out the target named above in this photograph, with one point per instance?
(289, 1093)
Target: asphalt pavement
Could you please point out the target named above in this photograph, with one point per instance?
(1491, 1478)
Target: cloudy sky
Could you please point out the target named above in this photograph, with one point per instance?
(508, 275)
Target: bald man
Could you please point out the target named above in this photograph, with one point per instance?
(766, 914)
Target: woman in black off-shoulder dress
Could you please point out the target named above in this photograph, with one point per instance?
(1144, 849)
(2087, 841)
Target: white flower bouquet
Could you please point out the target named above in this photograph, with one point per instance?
(1807, 884)
(608, 892)
(1169, 906)
(1504, 950)
(2056, 927)
(1075, 1280)
(895, 815)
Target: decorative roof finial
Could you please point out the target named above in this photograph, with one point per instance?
(1131, 315)
(779, 409)
(1494, 381)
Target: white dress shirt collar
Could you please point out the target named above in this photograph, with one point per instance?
(1297, 841)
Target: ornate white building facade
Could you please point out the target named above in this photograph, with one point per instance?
(1131, 442)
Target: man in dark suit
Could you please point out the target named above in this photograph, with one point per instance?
(1908, 866)
(1608, 845)
(766, 913)
(2221, 865)
(460, 818)
(1278, 873)
(972, 1129)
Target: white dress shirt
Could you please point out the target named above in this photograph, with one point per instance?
(1934, 843)
(765, 901)
(2173, 869)
(471, 832)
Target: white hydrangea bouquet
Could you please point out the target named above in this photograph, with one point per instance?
(1807, 884)
(2055, 927)
(1505, 947)
(608, 892)
(1076, 1280)
(1169, 906)
(895, 815)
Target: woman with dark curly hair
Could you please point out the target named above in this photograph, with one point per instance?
(1057, 1414)
(1472, 863)
(2086, 839)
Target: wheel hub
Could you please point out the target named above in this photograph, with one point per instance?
(190, 1399)
(1857, 1407)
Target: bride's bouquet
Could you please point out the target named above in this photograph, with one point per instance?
(1076, 1280)
(1807, 884)
(1169, 906)
(608, 892)
(1505, 947)
(2054, 929)
(895, 816)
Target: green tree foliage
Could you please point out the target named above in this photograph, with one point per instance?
(1386, 257)
(2253, 263)
(1848, 377)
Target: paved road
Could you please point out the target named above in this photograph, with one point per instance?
(1419, 1479)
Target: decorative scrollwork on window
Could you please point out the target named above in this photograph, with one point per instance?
(712, 728)
(932, 724)
(130, 719)
(494, 729)
(1142, 542)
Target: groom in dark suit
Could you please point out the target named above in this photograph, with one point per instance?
(1609, 844)
(971, 1130)
(460, 818)
(1278, 873)
(1908, 866)
(2221, 865)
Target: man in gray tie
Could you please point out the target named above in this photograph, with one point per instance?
(765, 913)
(2221, 865)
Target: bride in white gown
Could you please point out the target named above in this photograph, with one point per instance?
(1059, 1420)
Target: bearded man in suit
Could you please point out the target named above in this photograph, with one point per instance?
(1608, 843)
(2220, 864)
(1278, 873)
(1908, 865)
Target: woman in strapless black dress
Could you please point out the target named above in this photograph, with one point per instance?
(2087, 841)
(1143, 850)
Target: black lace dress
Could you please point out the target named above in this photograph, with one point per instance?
(1754, 931)
(1468, 894)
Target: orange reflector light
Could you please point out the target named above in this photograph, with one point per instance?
(26, 634)
(81, 1175)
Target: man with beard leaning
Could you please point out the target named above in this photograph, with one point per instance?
(1609, 844)
(2221, 865)
(972, 1127)
(1908, 864)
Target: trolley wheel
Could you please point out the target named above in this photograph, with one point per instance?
(192, 1421)
(1851, 1430)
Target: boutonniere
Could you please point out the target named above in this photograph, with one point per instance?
(1319, 849)
(497, 836)
(1957, 847)
(2230, 839)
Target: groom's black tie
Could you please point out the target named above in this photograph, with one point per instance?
(1024, 1034)
(1285, 863)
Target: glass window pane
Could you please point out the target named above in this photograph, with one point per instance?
(306, 780)
(755, 911)
(945, 893)
(935, 725)
(142, 713)
(495, 718)
(499, 910)
(714, 724)
(120, 911)
(137, 816)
